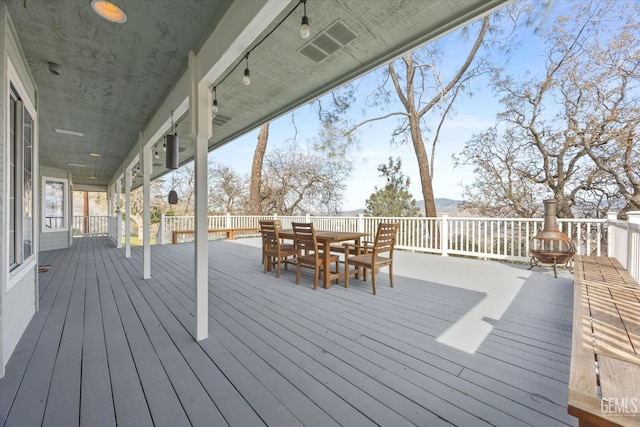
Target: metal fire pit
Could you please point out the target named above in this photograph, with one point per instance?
(551, 246)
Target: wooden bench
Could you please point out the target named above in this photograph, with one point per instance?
(604, 381)
(230, 232)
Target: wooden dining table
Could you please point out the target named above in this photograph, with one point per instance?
(325, 239)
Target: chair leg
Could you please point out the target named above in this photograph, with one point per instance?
(346, 271)
(298, 273)
(391, 274)
(373, 282)
(316, 277)
(278, 259)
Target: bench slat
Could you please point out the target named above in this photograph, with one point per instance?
(606, 328)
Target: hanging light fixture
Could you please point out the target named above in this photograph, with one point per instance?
(109, 11)
(214, 108)
(246, 79)
(156, 155)
(171, 142)
(304, 28)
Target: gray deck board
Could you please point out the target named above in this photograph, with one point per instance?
(108, 348)
(96, 398)
(29, 403)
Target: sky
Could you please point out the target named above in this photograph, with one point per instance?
(473, 115)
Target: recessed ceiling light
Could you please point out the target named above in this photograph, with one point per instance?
(94, 154)
(92, 177)
(78, 165)
(109, 11)
(68, 132)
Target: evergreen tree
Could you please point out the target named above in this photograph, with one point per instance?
(394, 200)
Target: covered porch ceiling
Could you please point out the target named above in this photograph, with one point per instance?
(120, 81)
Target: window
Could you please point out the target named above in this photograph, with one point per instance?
(27, 192)
(54, 204)
(21, 137)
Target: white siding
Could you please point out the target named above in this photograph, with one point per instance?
(18, 288)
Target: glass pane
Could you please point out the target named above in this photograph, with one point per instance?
(12, 182)
(27, 222)
(54, 205)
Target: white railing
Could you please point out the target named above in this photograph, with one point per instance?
(624, 242)
(487, 238)
(91, 225)
(495, 238)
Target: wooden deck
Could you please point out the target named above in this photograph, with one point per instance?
(455, 342)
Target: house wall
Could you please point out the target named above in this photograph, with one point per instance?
(19, 287)
(50, 240)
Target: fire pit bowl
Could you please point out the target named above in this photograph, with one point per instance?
(551, 246)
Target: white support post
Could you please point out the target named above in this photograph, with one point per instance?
(69, 202)
(127, 208)
(118, 213)
(611, 237)
(201, 127)
(444, 235)
(360, 226)
(145, 156)
(633, 251)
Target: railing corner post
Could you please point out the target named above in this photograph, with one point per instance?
(444, 235)
(633, 246)
(360, 226)
(228, 220)
(611, 237)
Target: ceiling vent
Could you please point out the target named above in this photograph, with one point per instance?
(219, 119)
(328, 42)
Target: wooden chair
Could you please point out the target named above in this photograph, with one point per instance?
(277, 224)
(273, 248)
(308, 254)
(370, 257)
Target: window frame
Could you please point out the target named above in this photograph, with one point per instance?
(65, 204)
(16, 177)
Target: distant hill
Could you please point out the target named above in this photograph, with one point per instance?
(443, 205)
(448, 206)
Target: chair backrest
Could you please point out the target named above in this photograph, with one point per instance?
(305, 237)
(269, 233)
(385, 237)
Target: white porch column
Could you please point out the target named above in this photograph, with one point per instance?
(111, 219)
(127, 208)
(118, 213)
(201, 127)
(145, 156)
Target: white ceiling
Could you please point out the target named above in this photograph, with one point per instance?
(116, 79)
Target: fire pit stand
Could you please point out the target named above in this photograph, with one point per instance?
(551, 246)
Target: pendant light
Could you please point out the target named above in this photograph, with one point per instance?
(171, 141)
(304, 28)
(246, 79)
(214, 108)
